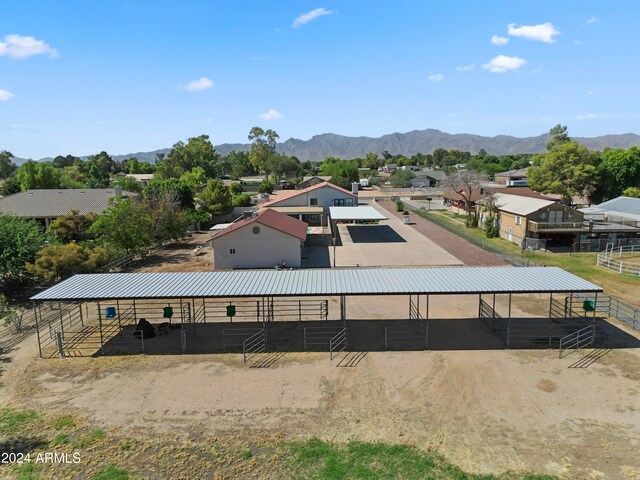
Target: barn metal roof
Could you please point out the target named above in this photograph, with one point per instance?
(359, 281)
(355, 213)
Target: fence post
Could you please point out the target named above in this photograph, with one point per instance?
(59, 344)
(35, 316)
(100, 324)
(299, 310)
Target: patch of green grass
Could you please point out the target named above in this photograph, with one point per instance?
(59, 439)
(63, 421)
(12, 421)
(128, 444)
(247, 454)
(27, 471)
(112, 473)
(88, 439)
(326, 461)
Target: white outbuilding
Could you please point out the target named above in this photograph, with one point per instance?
(260, 240)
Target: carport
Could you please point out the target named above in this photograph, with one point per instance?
(268, 294)
(358, 214)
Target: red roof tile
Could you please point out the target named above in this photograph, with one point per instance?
(273, 219)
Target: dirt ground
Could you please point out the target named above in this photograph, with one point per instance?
(486, 409)
(180, 257)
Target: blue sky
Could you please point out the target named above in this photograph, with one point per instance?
(127, 76)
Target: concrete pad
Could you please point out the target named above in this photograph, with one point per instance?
(394, 245)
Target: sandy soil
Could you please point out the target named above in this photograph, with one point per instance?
(180, 257)
(487, 410)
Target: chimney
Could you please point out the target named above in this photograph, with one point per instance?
(118, 190)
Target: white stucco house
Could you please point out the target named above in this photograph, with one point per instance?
(312, 204)
(260, 240)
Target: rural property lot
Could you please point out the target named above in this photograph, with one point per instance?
(485, 408)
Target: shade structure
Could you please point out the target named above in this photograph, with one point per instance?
(353, 214)
(317, 282)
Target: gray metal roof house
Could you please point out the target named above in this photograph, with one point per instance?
(48, 204)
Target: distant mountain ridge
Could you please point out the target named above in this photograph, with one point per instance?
(319, 147)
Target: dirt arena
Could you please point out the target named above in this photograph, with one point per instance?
(486, 408)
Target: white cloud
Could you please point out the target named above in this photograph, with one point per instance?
(497, 40)
(312, 15)
(5, 95)
(502, 64)
(593, 20)
(203, 83)
(20, 126)
(19, 46)
(436, 78)
(590, 92)
(270, 115)
(466, 68)
(543, 32)
(590, 116)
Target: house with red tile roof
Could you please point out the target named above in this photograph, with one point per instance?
(311, 204)
(260, 240)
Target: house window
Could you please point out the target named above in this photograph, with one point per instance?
(232, 251)
(542, 216)
(313, 201)
(518, 220)
(569, 214)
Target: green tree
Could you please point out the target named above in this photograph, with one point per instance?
(402, 178)
(371, 161)
(241, 166)
(74, 227)
(7, 167)
(11, 185)
(129, 184)
(568, 169)
(342, 172)
(126, 226)
(632, 192)
(195, 179)
(282, 166)
(266, 187)
(20, 239)
(197, 152)
(263, 145)
(157, 187)
(216, 198)
(559, 136)
(36, 175)
(242, 200)
(57, 262)
(62, 162)
(618, 170)
(235, 189)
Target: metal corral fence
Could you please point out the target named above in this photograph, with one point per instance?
(600, 244)
(613, 259)
(612, 307)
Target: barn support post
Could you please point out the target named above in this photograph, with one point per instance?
(61, 320)
(426, 323)
(100, 325)
(410, 302)
(181, 315)
(509, 324)
(35, 316)
(118, 310)
(135, 315)
(595, 307)
(493, 315)
(80, 312)
(550, 317)
(204, 312)
(343, 310)
(479, 306)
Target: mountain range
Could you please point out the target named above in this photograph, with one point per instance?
(319, 147)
